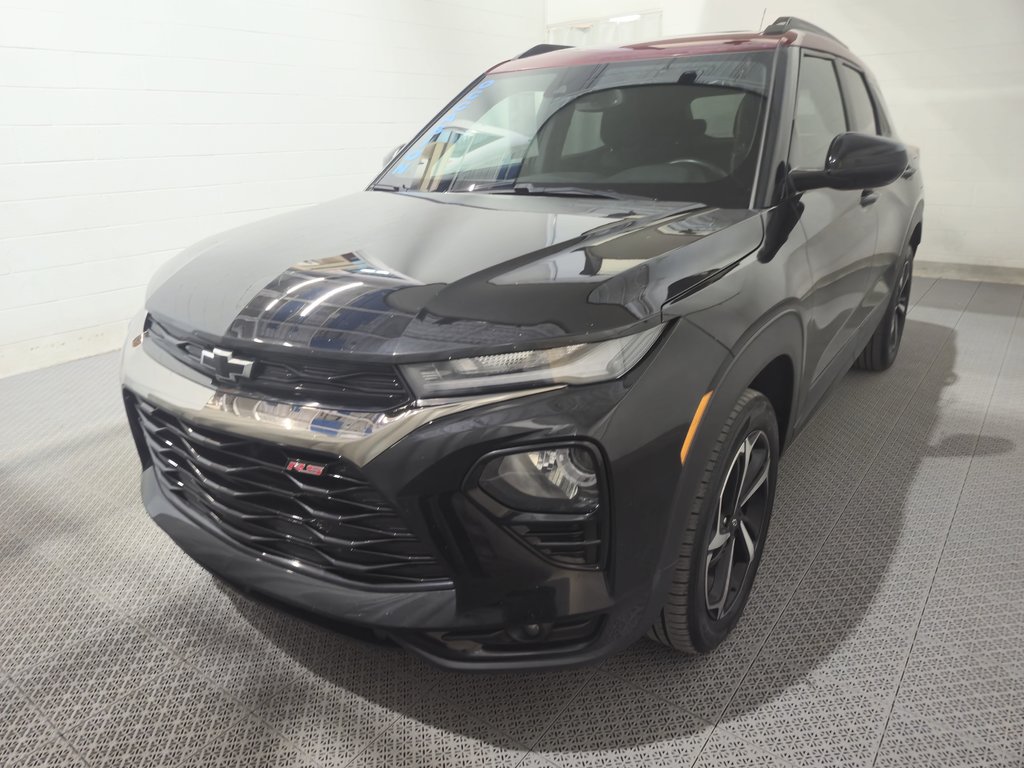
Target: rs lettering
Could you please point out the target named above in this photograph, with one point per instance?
(308, 469)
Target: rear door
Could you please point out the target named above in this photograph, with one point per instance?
(840, 226)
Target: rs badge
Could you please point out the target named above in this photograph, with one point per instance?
(306, 469)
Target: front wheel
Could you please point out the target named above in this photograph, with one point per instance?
(725, 532)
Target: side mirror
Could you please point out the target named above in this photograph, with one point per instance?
(392, 154)
(856, 161)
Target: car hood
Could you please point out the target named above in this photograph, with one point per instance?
(413, 276)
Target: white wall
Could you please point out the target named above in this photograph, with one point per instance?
(953, 76)
(131, 128)
(679, 17)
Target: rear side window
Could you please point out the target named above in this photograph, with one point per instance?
(858, 101)
(819, 113)
(881, 112)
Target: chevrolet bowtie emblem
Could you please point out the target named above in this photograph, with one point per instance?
(225, 365)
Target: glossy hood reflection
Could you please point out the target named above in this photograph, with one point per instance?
(380, 273)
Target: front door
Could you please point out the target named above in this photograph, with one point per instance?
(841, 227)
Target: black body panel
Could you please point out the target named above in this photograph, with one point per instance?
(413, 277)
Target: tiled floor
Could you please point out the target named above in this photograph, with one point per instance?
(886, 627)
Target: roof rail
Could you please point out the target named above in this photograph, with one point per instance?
(784, 24)
(542, 48)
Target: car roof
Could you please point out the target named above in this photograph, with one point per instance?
(691, 45)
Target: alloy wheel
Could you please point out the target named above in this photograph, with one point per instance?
(739, 524)
(899, 315)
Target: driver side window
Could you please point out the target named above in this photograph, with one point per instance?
(819, 113)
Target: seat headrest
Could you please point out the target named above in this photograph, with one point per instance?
(745, 121)
(651, 113)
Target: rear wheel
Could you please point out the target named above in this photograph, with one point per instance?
(881, 351)
(725, 532)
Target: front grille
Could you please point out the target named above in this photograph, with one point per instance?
(332, 383)
(336, 522)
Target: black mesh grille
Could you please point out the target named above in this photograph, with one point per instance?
(336, 521)
(565, 538)
(338, 384)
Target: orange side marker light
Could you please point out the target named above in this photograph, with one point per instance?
(692, 431)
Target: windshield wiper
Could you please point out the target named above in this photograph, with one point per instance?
(557, 190)
(529, 188)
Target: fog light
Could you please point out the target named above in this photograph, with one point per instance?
(526, 633)
(545, 480)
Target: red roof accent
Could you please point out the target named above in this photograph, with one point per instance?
(658, 49)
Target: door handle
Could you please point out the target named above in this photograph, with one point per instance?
(868, 197)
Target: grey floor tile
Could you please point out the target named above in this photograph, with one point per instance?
(611, 723)
(454, 740)
(536, 761)
(966, 624)
(329, 723)
(54, 753)
(106, 691)
(911, 740)
(27, 738)
(702, 685)
(726, 750)
(202, 623)
(920, 287)
(124, 559)
(804, 722)
(244, 742)
(964, 690)
(519, 705)
(260, 656)
(124, 734)
(43, 610)
(887, 616)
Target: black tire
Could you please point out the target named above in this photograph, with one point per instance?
(881, 351)
(696, 619)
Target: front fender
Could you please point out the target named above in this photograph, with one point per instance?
(780, 335)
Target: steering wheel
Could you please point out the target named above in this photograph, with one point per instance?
(713, 171)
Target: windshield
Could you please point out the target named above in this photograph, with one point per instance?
(682, 128)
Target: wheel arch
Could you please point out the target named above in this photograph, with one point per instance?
(915, 229)
(776, 381)
(769, 360)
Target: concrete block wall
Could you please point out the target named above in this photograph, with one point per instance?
(131, 128)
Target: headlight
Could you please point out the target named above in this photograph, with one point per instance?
(577, 364)
(560, 479)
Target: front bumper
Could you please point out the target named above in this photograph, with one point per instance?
(501, 587)
(419, 620)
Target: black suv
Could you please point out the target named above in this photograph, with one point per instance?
(523, 399)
